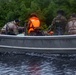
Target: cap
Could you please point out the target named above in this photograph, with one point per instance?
(60, 12)
(16, 20)
(33, 14)
(73, 15)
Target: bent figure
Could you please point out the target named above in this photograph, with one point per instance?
(11, 28)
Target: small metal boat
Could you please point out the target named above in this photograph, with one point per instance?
(40, 44)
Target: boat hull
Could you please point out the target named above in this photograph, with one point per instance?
(40, 44)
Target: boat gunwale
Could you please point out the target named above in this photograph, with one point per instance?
(38, 37)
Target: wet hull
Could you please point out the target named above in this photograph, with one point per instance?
(41, 44)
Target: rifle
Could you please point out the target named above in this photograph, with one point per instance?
(50, 28)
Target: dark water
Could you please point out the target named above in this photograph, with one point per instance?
(38, 64)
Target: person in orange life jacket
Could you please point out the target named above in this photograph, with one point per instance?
(33, 24)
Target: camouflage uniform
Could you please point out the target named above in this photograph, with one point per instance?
(59, 24)
(10, 28)
(71, 26)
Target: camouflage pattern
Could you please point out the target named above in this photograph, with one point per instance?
(59, 24)
(71, 26)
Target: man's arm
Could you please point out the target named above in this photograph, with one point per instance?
(51, 27)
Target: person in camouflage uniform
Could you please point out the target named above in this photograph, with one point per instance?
(59, 23)
(71, 25)
(11, 28)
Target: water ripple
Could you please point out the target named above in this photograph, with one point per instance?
(38, 64)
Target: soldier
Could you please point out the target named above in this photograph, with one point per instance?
(59, 23)
(11, 28)
(71, 25)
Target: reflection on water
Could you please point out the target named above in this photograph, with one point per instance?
(43, 64)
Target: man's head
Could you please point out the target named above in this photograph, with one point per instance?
(73, 15)
(33, 15)
(61, 12)
(17, 22)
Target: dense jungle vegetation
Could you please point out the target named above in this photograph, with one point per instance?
(46, 10)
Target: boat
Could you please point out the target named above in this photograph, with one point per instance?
(39, 44)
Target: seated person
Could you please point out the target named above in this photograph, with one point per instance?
(71, 25)
(33, 26)
(59, 23)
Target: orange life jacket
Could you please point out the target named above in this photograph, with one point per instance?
(34, 23)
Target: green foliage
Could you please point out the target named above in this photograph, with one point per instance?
(46, 10)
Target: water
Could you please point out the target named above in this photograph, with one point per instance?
(38, 64)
